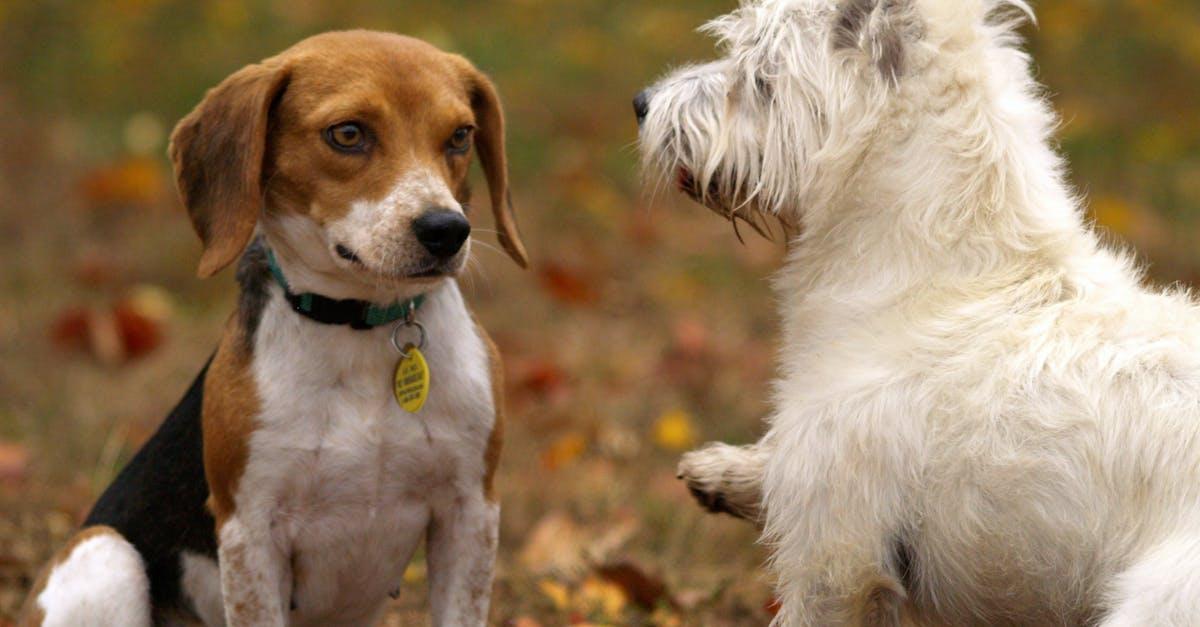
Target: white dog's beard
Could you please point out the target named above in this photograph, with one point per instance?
(677, 145)
(737, 210)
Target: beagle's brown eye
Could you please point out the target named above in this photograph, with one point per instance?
(460, 141)
(346, 137)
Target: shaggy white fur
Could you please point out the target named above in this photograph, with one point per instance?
(981, 416)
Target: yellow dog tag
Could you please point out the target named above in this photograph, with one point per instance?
(411, 386)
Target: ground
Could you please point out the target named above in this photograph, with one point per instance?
(644, 326)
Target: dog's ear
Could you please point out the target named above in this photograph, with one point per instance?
(489, 144)
(879, 29)
(218, 151)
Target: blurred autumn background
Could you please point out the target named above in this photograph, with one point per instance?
(643, 328)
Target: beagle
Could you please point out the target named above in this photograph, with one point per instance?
(353, 405)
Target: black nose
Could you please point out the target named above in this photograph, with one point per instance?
(442, 232)
(641, 105)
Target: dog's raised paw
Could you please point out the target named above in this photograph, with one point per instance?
(712, 501)
(720, 479)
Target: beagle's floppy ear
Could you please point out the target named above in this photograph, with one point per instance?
(489, 144)
(218, 151)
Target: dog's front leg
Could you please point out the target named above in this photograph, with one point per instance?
(837, 486)
(461, 554)
(255, 576)
(727, 478)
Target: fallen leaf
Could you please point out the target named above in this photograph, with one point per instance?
(134, 181)
(692, 598)
(567, 285)
(597, 596)
(130, 329)
(643, 589)
(612, 537)
(674, 431)
(555, 545)
(14, 462)
(139, 333)
(690, 338)
(70, 329)
(559, 546)
(558, 594)
(151, 301)
(619, 441)
(104, 337)
(542, 377)
(563, 451)
(665, 617)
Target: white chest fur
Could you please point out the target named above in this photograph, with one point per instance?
(344, 477)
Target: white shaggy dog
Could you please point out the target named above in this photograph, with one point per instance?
(982, 417)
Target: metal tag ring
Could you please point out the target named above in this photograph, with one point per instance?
(396, 333)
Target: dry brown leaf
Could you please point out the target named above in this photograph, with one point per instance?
(599, 597)
(136, 181)
(691, 338)
(665, 617)
(14, 462)
(567, 285)
(542, 378)
(564, 451)
(612, 537)
(132, 328)
(692, 598)
(645, 590)
(617, 440)
(555, 547)
(104, 337)
(139, 333)
(559, 546)
(70, 329)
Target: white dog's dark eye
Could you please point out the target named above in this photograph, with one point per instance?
(346, 137)
(460, 141)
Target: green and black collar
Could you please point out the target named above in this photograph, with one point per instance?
(357, 314)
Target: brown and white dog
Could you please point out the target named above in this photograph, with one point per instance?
(289, 486)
